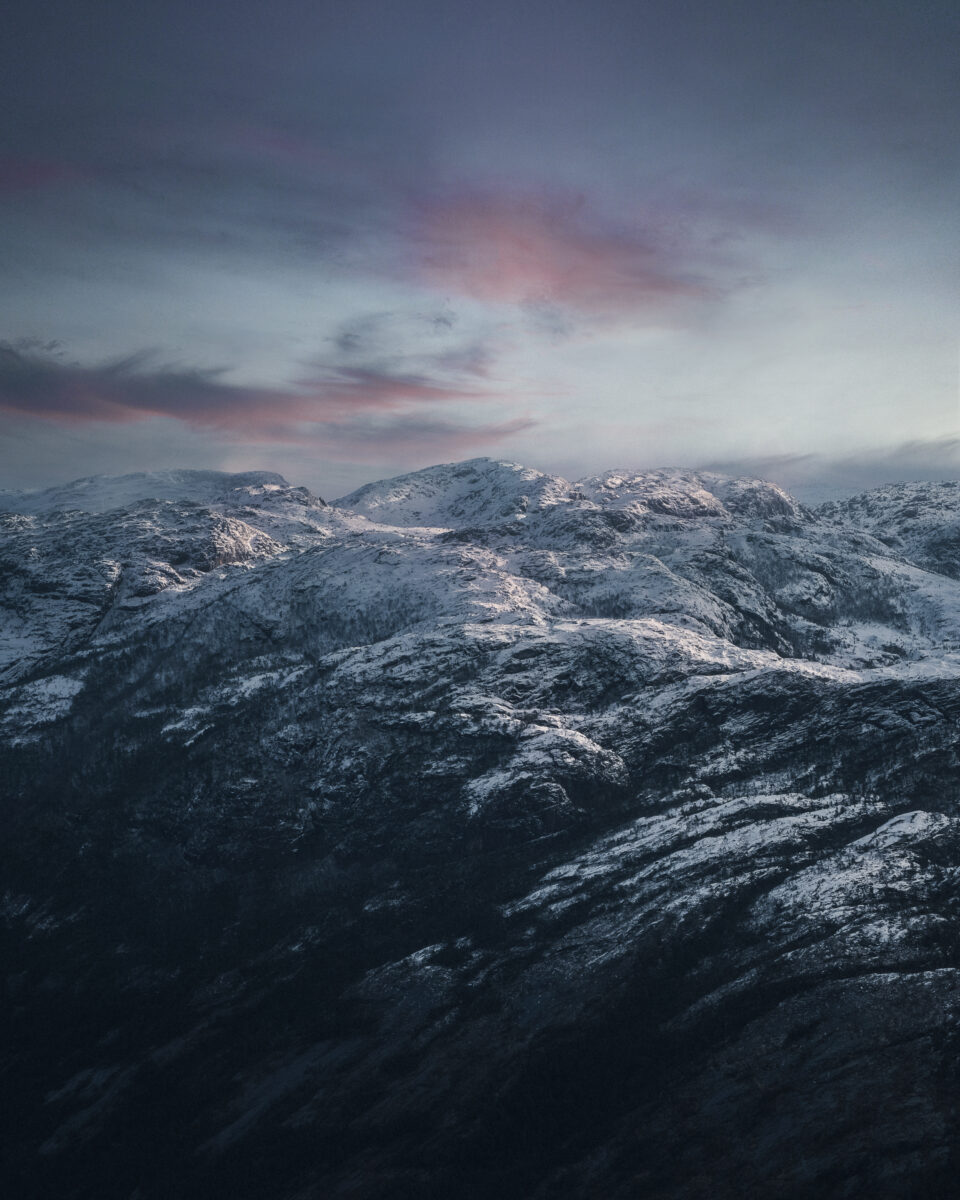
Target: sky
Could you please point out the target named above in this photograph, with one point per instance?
(341, 240)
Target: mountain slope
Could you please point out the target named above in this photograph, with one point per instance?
(919, 520)
(482, 834)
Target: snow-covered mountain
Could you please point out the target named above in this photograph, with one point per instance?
(100, 493)
(919, 520)
(479, 491)
(480, 833)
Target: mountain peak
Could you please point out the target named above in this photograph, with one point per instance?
(479, 490)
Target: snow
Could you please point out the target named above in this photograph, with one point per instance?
(454, 494)
(39, 703)
(621, 592)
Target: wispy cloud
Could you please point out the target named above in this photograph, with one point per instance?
(549, 249)
(423, 435)
(360, 404)
(819, 474)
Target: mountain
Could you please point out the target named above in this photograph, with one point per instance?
(101, 493)
(478, 834)
(920, 520)
(458, 494)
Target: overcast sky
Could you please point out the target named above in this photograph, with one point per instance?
(341, 240)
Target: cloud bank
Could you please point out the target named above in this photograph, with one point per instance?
(362, 406)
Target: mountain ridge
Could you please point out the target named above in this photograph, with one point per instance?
(524, 852)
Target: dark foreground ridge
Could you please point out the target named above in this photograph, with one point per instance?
(479, 835)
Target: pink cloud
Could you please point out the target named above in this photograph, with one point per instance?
(356, 407)
(519, 249)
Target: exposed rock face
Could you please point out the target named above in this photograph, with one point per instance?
(480, 834)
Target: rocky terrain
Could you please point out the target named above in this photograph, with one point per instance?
(479, 834)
